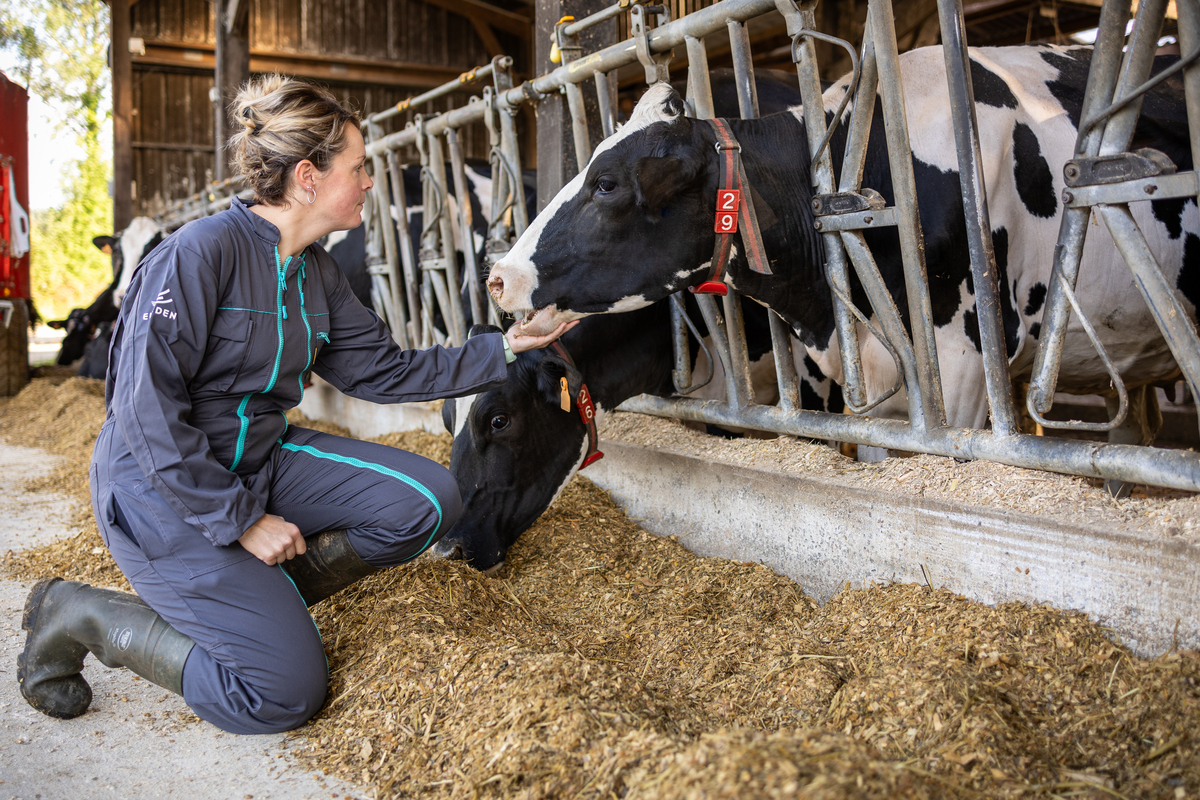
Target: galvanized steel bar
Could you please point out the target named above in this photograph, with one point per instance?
(408, 258)
(836, 270)
(1177, 469)
(699, 89)
(391, 258)
(926, 408)
(447, 276)
(579, 125)
(978, 221)
(478, 73)
(466, 227)
(1135, 69)
(606, 97)
(1189, 43)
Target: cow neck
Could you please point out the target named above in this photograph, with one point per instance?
(734, 214)
(586, 409)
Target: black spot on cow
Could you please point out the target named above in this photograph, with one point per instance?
(1170, 213)
(1067, 88)
(989, 88)
(971, 327)
(1035, 330)
(1008, 310)
(1037, 296)
(813, 369)
(1189, 273)
(1035, 183)
(947, 257)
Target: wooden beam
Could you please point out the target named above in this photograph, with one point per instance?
(508, 21)
(355, 70)
(485, 34)
(122, 100)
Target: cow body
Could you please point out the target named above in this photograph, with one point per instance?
(637, 225)
(515, 449)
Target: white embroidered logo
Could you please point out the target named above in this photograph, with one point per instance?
(157, 309)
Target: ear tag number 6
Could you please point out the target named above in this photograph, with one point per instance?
(728, 201)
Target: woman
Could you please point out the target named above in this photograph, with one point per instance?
(227, 521)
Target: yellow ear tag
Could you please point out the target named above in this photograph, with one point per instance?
(564, 399)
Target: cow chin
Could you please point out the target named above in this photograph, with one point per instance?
(545, 320)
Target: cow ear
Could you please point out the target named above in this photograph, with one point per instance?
(551, 370)
(104, 244)
(661, 179)
(478, 329)
(660, 103)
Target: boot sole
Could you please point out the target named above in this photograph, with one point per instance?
(28, 622)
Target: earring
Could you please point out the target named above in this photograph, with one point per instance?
(312, 199)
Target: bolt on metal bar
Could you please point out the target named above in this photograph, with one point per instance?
(978, 221)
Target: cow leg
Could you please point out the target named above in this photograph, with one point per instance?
(1141, 426)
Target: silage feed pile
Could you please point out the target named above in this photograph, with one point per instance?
(603, 661)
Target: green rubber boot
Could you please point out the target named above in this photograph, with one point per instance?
(66, 620)
(328, 565)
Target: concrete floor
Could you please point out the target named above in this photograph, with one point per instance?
(135, 742)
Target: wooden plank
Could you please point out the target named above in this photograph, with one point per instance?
(397, 31)
(519, 24)
(353, 27)
(122, 100)
(197, 20)
(333, 28)
(202, 111)
(375, 21)
(170, 19)
(264, 25)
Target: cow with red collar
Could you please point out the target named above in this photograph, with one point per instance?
(637, 224)
(516, 447)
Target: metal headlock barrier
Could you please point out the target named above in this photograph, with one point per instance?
(416, 289)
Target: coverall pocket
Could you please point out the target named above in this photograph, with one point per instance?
(228, 350)
(159, 532)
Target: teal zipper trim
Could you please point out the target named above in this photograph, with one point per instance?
(382, 470)
(308, 348)
(280, 316)
(253, 310)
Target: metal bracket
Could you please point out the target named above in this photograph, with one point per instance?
(656, 65)
(824, 205)
(6, 309)
(1118, 167)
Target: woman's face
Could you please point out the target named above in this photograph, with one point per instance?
(342, 189)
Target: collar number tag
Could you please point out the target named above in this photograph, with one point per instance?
(728, 201)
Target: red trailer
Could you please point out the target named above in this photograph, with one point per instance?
(14, 237)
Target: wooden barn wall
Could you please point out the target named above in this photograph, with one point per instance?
(172, 124)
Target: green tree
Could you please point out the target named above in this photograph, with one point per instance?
(60, 47)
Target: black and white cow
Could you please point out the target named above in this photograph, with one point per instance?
(515, 449)
(127, 249)
(637, 224)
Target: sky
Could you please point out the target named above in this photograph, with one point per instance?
(49, 151)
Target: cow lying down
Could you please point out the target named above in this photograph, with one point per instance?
(515, 448)
(637, 224)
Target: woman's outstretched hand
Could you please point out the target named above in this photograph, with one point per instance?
(273, 540)
(520, 343)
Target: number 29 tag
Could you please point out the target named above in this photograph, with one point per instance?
(728, 201)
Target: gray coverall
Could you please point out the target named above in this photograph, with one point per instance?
(213, 344)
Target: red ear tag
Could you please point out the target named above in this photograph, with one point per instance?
(728, 201)
(710, 287)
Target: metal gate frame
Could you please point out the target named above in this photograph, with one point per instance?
(1102, 176)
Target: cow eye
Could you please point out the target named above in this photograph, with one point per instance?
(499, 422)
(605, 185)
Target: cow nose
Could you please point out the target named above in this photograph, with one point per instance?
(449, 549)
(495, 286)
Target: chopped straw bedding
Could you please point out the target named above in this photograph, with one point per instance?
(603, 661)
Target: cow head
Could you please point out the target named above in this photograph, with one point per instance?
(633, 227)
(514, 451)
(128, 248)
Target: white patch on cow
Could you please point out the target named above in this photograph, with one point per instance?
(481, 186)
(133, 241)
(335, 238)
(631, 303)
(516, 269)
(462, 411)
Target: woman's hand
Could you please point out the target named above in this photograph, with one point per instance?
(520, 343)
(273, 540)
